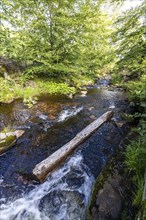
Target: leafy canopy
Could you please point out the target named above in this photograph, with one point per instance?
(56, 37)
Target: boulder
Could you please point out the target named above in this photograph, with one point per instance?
(7, 140)
(83, 93)
(109, 200)
(6, 143)
(69, 203)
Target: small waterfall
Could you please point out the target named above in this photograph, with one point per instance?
(64, 195)
(68, 113)
(111, 105)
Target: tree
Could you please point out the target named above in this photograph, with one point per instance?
(57, 37)
(130, 39)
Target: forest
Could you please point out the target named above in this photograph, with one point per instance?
(61, 46)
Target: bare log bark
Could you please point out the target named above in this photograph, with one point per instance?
(50, 163)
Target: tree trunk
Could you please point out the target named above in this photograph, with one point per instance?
(144, 191)
(54, 160)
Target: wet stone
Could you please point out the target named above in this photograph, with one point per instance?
(69, 203)
(25, 215)
(109, 201)
(73, 181)
(6, 143)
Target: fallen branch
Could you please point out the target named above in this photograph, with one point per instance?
(50, 163)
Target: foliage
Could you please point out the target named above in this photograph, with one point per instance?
(81, 80)
(137, 89)
(130, 48)
(55, 38)
(131, 42)
(116, 78)
(30, 90)
(136, 161)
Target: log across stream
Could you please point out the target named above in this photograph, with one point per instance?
(53, 161)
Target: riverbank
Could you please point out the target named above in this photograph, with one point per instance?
(107, 189)
(116, 194)
(29, 88)
(113, 191)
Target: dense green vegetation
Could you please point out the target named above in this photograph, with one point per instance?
(29, 90)
(67, 41)
(55, 38)
(130, 71)
(57, 46)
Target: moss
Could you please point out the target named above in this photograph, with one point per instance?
(2, 70)
(7, 143)
(99, 184)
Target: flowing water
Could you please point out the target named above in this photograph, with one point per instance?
(51, 123)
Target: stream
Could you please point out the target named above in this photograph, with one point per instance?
(48, 125)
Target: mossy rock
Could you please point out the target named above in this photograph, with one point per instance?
(7, 143)
(2, 70)
(107, 172)
(99, 182)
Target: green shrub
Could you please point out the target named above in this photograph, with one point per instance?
(29, 90)
(136, 161)
(116, 78)
(137, 89)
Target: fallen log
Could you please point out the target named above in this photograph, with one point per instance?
(51, 163)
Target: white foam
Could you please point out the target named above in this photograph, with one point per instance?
(1, 179)
(43, 117)
(27, 207)
(68, 113)
(112, 106)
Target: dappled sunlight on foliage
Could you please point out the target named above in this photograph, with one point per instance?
(10, 90)
(60, 37)
(137, 89)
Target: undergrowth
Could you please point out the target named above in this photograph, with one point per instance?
(29, 87)
(136, 151)
(29, 90)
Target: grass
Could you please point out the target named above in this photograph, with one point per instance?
(28, 87)
(137, 89)
(29, 90)
(135, 155)
(136, 152)
(136, 163)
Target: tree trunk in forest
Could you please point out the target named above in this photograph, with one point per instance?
(54, 160)
(144, 192)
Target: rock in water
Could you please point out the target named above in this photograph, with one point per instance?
(83, 93)
(7, 140)
(19, 133)
(6, 143)
(67, 205)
